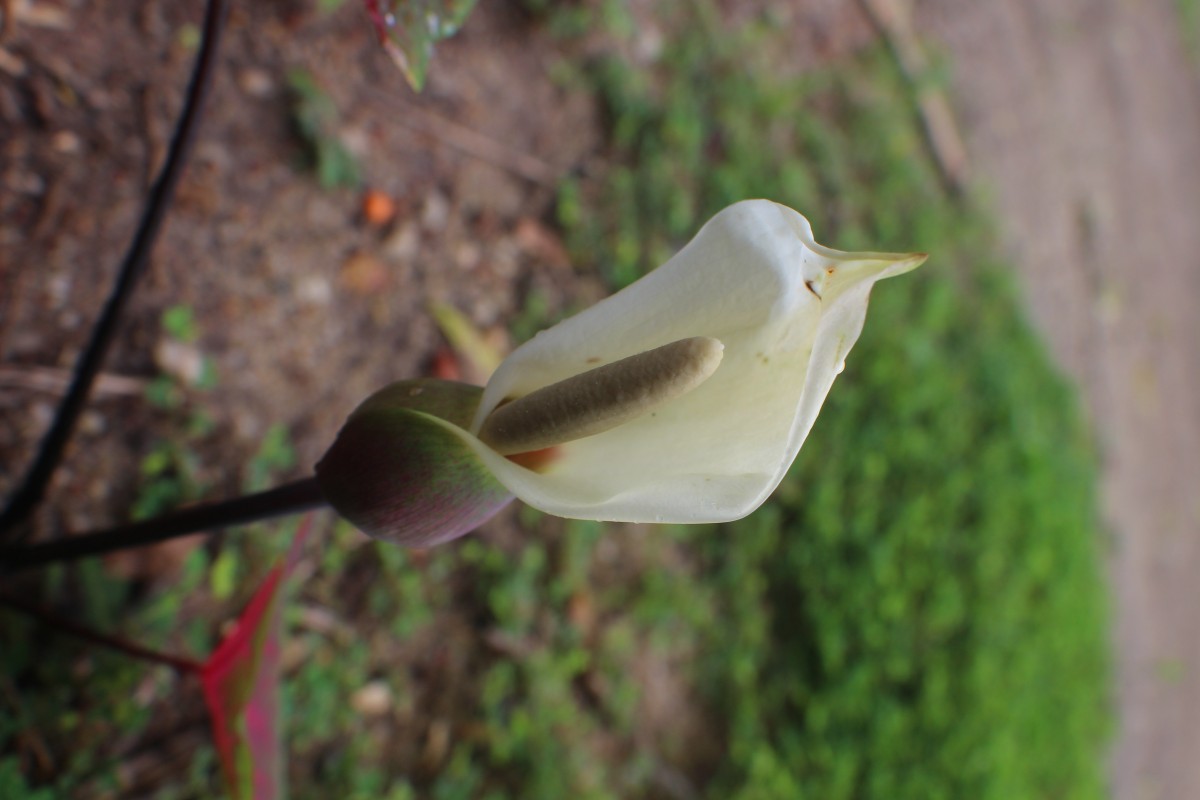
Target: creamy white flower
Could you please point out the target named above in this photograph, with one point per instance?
(786, 310)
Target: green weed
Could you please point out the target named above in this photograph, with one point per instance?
(171, 473)
(919, 612)
(1189, 27)
(315, 117)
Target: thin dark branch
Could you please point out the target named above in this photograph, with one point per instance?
(292, 498)
(31, 490)
(72, 628)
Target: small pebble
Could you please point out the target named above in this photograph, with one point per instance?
(256, 82)
(436, 212)
(403, 244)
(66, 143)
(314, 290)
(179, 360)
(372, 700)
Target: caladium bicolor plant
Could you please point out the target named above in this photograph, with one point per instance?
(682, 398)
(241, 688)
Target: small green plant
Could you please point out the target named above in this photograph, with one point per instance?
(533, 317)
(316, 119)
(1189, 26)
(13, 785)
(171, 472)
(275, 456)
(410, 30)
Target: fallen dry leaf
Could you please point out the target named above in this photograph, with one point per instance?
(538, 240)
(378, 208)
(363, 273)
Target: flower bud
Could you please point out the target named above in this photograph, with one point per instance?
(398, 470)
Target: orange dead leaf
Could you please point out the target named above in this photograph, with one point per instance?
(378, 208)
(363, 274)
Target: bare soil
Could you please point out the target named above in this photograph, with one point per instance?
(304, 303)
(303, 306)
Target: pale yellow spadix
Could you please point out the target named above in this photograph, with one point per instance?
(600, 399)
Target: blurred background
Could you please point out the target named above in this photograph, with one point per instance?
(976, 581)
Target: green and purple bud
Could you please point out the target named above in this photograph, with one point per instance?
(398, 470)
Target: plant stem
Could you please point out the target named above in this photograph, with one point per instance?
(72, 628)
(291, 498)
(31, 490)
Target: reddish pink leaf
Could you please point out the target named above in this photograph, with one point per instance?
(241, 689)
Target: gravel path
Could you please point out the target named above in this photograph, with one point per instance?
(1082, 118)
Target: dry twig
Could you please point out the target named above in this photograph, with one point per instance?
(893, 18)
(53, 380)
(473, 143)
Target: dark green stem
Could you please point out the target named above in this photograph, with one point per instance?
(291, 498)
(30, 491)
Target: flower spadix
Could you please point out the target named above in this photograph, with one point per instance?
(682, 398)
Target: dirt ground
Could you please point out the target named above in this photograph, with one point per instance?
(302, 305)
(1082, 117)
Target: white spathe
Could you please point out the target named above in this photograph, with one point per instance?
(787, 311)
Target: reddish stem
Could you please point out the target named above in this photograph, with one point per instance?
(181, 665)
